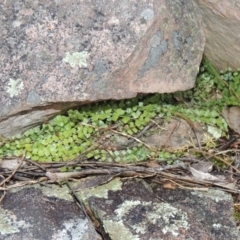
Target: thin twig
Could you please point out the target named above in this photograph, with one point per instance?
(189, 188)
(31, 182)
(9, 177)
(136, 139)
(3, 196)
(157, 124)
(227, 151)
(218, 158)
(205, 182)
(36, 164)
(183, 187)
(191, 125)
(78, 200)
(175, 127)
(34, 174)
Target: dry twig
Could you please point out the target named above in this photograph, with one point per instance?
(129, 136)
(218, 158)
(9, 177)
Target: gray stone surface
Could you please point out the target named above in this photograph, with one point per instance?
(222, 26)
(126, 209)
(133, 209)
(43, 213)
(74, 52)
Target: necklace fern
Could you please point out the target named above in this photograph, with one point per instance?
(83, 132)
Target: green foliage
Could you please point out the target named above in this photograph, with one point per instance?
(67, 136)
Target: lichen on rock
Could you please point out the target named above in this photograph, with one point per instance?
(76, 59)
(14, 87)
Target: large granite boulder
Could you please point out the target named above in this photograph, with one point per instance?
(59, 54)
(222, 26)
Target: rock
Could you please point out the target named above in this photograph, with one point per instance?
(133, 209)
(222, 25)
(176, 134)
(43, 213)
(232, 116)
(59, 54)
(126, 209)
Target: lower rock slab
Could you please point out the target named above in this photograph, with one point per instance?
(43, 213)
(132, 209)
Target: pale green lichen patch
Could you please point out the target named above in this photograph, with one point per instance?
(76, 59)
(216, 195)
(56, 191)
(214, 131)
(171, 219)
(14, 87)
(9, 224)
(102, 191)
(49, 191)
(117, 230)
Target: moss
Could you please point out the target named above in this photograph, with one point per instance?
(237, 213)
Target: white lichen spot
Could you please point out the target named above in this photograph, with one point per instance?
(215, 195)
(73, 229)
(217, 226)
(113, 21)
(171, 219)
(14, 87)
(76, 59)
(214, 131)
(147, 14)
(126, 207)
(16, 24)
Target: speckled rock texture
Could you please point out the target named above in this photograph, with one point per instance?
(43, 213)
(135, 210)
(120, 209)
(59, 54)
(222, 26)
